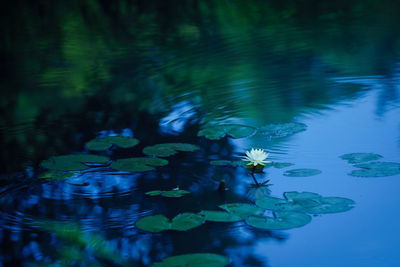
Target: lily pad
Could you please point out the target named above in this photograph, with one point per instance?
(283, 220)
(219, 216)
(169, 149)
(138, 164)
(242, 209)
(181, 222)
(73, 162)
(105, 143)
(278, 204)
(376, 169)
(331, 205)
(360, 157)
(279, 130)
(171, 193)
(301, 172)
(281, 165)
(216, 132)
(186, 221)
(220, 162)
(56, 175)
(154, 223)
(195, 260)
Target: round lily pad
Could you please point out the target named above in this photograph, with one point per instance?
(138, 164)
(154, 223)
(171, 193)
(278, 204)
(219, 216)
(301, 172)
(73, 162)
(283, 220)
(376, 169)
(279, 130)
(186, 221)
(215, 132)
(195, 260)
(56, 175)
(281, 165)
(360, 157)
(105, 143)
(169, 149)
(242, 209)
(331, 205)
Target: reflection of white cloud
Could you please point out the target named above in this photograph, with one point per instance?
(175, 121)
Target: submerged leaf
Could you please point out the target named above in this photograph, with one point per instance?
(73, 162)
(283, 220)
(242, 209)
(219, 216)
(138, 164)
(278, 130)
(215, 132)
(376, 169)
(195, 260)
(106, 142)
(301, 172)
(360, 157)
(168, 149)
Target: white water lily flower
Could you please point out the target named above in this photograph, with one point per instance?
(256, 157)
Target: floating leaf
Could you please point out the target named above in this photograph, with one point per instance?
(281, 165)
(106, 142)
(219, 216)
(220, 162)
(186, 221)
(331, 205)
(301, 172)
(376, 169)
(181, 222)
(56, 175)
(169, 149)
(195, 260)
(138, 164)
(283, 220)
(278, 130)
(215, 132)
(242, 209)
(171, 193)
(73, 162)
(360, 157)
(154, 223)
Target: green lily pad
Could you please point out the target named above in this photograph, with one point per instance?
(277, 204)
(105, 143)
(138, 164)
(220, 162)
(360, 157)
(171, 193)
(216, 132)
(186, 221)
(181, 222)
(331, 205)
(242, 209)
(281, 165)
(301, 172)
(73, 162)
(169, 149)
(219, 216)
(376, 169)
(283, 220)
(279, 130)
(194, 260)
(56, 175)
(154, 223)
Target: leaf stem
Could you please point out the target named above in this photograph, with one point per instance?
(252, 175)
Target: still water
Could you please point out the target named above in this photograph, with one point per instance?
(161, 72)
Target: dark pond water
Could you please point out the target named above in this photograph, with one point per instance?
(161, 72)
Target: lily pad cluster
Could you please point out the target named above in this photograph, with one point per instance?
(170, 193)
(168, 149)
(105, 143)
(181, 222)
(195, 259)
(274, 130)
(369, 167)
